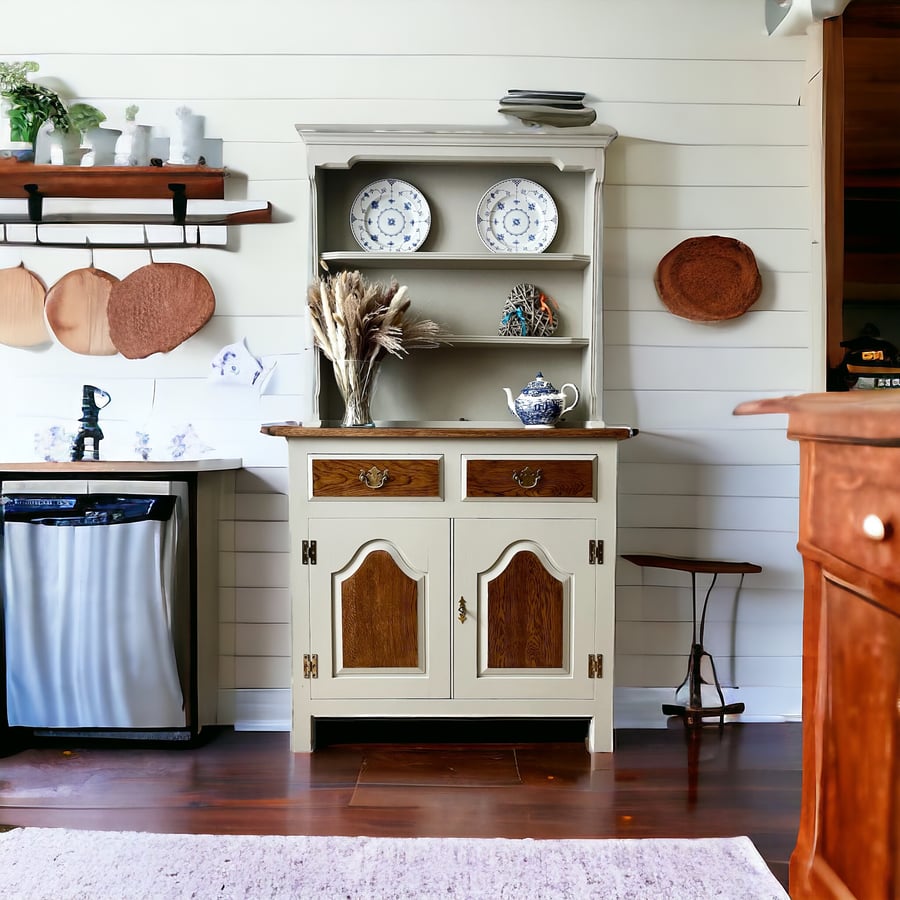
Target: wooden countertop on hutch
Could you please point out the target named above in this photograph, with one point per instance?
(289, 430)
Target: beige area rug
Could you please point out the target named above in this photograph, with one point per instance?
(64, 864)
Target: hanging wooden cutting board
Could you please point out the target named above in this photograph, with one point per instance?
(22, 296)
(76, 311)
(157, 307)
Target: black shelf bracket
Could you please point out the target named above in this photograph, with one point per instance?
(179, 203)
(35, 202)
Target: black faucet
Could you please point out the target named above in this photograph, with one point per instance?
(87, 442)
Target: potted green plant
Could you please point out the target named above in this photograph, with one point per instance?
(99, 143)
(84, 117)
(30, 105)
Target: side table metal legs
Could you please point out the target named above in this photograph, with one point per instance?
(694, 711)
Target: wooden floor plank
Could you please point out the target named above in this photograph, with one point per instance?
(743, 779)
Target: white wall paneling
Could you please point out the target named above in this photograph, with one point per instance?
(714, 138)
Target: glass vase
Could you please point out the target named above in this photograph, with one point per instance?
(356, 380)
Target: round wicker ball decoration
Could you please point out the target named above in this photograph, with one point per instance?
(708, 279)
(528, 312)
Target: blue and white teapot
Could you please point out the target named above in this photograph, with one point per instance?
(540, 405)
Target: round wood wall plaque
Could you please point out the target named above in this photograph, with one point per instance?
(708, 279)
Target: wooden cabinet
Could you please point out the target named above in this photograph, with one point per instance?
(469, 600)
(453, 278)
(849, 839)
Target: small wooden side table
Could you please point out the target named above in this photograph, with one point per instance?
(694, 712)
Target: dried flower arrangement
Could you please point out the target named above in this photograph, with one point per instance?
(355, 323)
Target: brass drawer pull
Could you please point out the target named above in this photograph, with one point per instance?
(526, 478)
(375, 478)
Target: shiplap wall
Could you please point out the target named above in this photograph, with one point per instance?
(715, 138)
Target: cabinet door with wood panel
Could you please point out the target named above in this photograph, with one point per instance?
(526, 605)
(378, 608)
(849, 838)
(849, 842)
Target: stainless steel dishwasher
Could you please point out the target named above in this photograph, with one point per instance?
(95, 604)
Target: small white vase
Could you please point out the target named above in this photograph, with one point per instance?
(65, 148)
(133, 147)
(186, 140)
(101, 146)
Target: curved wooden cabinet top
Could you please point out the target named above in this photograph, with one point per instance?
(854, 417)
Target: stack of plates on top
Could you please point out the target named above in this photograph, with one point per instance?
(559, 108)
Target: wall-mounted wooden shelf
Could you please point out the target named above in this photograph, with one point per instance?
(119, 206)
(201, 182)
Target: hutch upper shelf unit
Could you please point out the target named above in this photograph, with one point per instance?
(119, 205)
(453, 277)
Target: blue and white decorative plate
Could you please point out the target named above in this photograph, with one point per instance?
(516, 216)
(390, 216)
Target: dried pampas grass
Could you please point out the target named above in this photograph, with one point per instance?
(356, 322)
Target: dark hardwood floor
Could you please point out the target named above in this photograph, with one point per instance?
(743, 779)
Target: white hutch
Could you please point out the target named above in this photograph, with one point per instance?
(449, 562)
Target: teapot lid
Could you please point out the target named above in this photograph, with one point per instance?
(539, 385)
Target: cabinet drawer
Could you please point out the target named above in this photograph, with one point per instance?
(366, 476)
(852, 489)
(571, 477)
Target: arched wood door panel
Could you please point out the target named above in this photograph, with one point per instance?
(526, 606)
(377, 611)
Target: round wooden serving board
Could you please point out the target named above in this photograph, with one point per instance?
(76, 311)
(157, 307)
(22, 296)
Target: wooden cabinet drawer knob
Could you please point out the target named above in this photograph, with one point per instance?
(873, 528)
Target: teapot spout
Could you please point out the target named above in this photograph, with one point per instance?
(509, 400)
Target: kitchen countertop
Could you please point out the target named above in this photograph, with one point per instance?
(127, 466)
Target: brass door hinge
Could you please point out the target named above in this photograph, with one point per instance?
(310, 665)
(308, 553)
(595, 553)
(595, 665)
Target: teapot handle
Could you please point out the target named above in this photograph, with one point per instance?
(574, 403)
